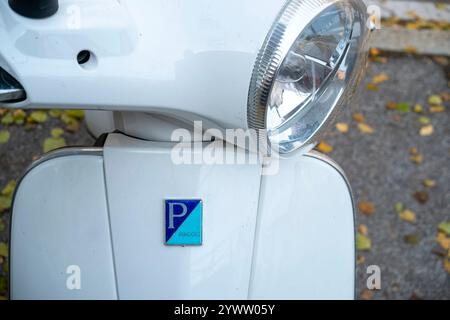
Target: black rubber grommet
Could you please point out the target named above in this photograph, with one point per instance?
(35, 9)
(83, 57)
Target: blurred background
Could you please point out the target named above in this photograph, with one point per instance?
(392, 140)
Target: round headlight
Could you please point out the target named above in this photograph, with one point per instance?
(309, 62)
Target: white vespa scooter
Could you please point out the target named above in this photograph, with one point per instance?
(145, 213)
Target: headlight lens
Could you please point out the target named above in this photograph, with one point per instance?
(308, 63)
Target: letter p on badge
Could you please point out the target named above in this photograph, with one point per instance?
(184, 222)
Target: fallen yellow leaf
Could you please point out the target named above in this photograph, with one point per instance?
(362, 242)
(4, 136)
(53, 143)
(38, 116)
(437, 109)
(3, 250)
(374, 52)
(342, 127)
(415, 157)
(362, 228)
(418, 108)
(379, 78)
(372, 87)
(424, 120)
(365, 128)
(447, 264)
(443, 240)
(57, 132)
(444, 226)
(399, 207)
(429, 183)
(408, 215)
(426, 130)
(8, 190)
(435, 99)
(324, 147)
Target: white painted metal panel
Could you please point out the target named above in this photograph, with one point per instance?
(303, 247)
(150, 55)
(139, 176)
(60, 219)
(305, 235)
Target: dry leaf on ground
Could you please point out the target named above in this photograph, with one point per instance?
(408, 215)
(412, 239)
(362, 228)
(53, 143)
(421, 196)
(3, 250)
(372, 87)
(444, 226)
(363, 243)
(366, 294)
(410, 50)
(415, 156)
(342, 127)
(447, 264)
(324, 147)
(366, 207)
(435, 99)
(360, 259)
(358, 117)
(399, 207)
(365, 128)
(38, 116)
(424, 120)
(443, 240)
(418, 108)
(437, 109)
(429, 183)
(4, 136)
(426, 130)
(379, 78)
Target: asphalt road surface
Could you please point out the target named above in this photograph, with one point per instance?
(378, 166)
(380, 171)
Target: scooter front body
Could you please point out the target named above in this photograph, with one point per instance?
(124, 220)
(264, 237)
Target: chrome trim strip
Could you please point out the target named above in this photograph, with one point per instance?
(320, 156)
(11, 94)
(58, 153)
(10, 89)
(62, 152)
